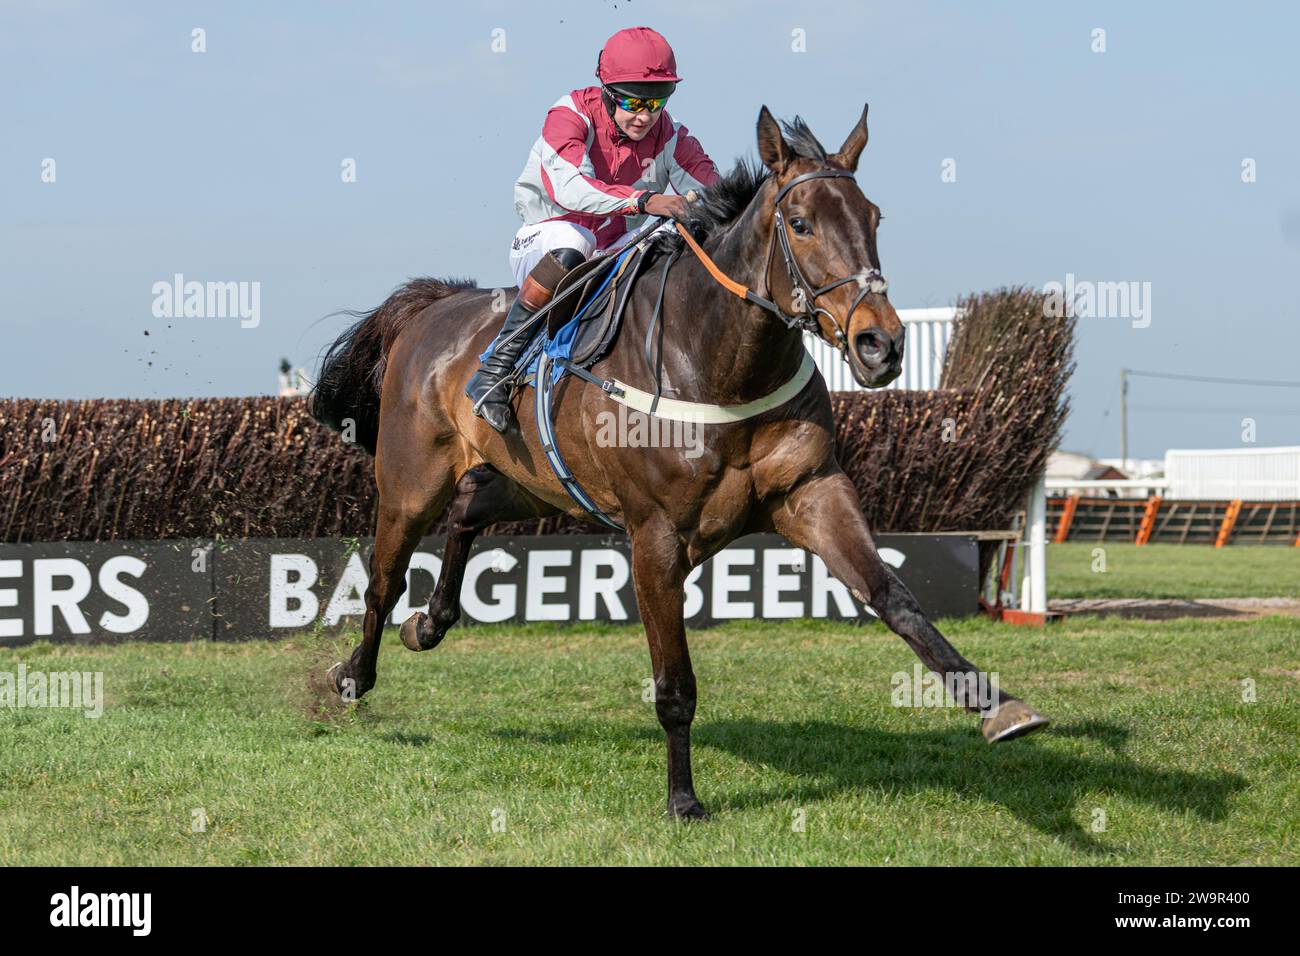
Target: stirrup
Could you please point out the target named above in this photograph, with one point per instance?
(487, 394)
(498, 413)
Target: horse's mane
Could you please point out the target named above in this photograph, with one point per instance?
(722, 203)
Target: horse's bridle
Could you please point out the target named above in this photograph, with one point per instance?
(871, 281)
(806, 319)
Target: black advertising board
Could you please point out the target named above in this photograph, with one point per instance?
(106, 591)
(259, 588)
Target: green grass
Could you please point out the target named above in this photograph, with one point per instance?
(546, 728)
(1171, 571)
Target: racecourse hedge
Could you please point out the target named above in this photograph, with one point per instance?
(960, 458)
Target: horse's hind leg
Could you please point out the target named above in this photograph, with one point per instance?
(483, 497)
(411, 494)
(823, 515)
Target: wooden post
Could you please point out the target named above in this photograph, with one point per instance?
(1033, 596)
(1067, 518)
(1229, 520)
(1148, 520)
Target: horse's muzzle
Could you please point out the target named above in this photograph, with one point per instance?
(877, 357)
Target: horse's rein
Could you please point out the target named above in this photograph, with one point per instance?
(871, 280)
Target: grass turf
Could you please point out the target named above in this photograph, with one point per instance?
(1171, 571)
(530, 745)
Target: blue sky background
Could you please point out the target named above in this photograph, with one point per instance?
(225, 165)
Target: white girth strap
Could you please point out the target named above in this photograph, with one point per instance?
(700, 413)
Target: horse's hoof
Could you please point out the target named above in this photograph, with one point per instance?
(348, 688)
(1014, 719)
(411, 632)
(335, 676)
(687, 809)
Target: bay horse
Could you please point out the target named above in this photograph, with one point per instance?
(397, 379)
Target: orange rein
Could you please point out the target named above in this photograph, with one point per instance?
(724, 280)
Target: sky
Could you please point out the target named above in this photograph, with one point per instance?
(1010, 143)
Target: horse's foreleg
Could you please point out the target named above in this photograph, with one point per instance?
(823, 516)
(659, 569)
(483, 497)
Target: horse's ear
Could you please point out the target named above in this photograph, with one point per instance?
(852, 148)
(772, 147)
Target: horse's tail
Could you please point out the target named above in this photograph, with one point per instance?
(352, 372)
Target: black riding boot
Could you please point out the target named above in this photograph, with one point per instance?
(486, 387)
(491, 395)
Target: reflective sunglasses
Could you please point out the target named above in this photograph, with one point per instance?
(636, 104)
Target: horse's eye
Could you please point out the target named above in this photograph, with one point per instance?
(801, 227)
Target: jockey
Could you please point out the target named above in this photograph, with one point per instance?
(606, 157)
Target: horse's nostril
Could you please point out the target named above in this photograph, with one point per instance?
(872, 346)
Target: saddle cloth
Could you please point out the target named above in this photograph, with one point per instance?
(583, 324)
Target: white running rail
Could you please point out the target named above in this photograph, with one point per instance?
(1255, 474)
(928, 333)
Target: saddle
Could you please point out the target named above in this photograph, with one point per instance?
(596, 292)
(594, 296)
